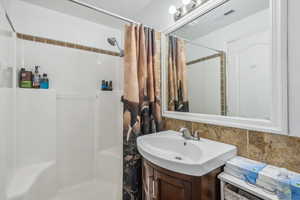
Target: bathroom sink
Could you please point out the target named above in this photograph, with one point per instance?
(169, 150)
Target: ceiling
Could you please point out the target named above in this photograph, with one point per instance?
(153, 13)
(216, 19)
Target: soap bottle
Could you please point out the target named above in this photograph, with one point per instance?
(110, 86)
(44, 82)
(103, 85)
(106, 85)
(36, 78)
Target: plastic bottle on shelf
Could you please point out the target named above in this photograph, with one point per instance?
(44, 82)
(25, 78)
(283, 186)
(36, 78)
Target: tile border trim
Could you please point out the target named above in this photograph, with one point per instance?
(65, 44)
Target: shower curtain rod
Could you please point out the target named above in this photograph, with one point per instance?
(103, 11)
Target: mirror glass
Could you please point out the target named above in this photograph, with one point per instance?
(220, 63)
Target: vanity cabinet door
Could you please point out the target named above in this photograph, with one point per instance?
(162, 184)
(167, 187)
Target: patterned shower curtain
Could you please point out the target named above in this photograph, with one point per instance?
(142, 108)
(177, 76)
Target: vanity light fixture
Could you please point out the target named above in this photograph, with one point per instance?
(188, 6)
(186, 2)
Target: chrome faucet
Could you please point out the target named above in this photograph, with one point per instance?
(186, 134)
(197, 135)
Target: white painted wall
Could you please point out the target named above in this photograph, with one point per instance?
(250, 25)
(31, 19)
(5, 4)
(249, 73)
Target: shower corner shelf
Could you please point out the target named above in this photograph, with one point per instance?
(102, 93)
(33, 90)
(6, 88)
(98, 92)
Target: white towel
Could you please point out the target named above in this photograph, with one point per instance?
(268, 177)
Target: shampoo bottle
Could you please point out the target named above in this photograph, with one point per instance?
(36, 78)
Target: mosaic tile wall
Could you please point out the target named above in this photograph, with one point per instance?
(282, 151)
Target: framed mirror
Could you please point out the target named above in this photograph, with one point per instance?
(225, 63)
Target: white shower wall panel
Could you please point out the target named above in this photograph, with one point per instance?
(76, 76)
(70, 70)
(6, 117)
(75, 139)
(6, 103)
(36, 127)
(108, 120)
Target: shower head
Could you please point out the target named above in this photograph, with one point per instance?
(113, 42)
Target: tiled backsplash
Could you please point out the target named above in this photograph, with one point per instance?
(282, 151)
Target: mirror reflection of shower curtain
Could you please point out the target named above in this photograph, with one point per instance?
(177, 76)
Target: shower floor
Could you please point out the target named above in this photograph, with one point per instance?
(90, 191)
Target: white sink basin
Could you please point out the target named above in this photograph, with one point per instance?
(169, 150)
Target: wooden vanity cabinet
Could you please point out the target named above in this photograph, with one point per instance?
(162, 184)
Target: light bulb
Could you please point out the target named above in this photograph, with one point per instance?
(186, 2)
(199, 2)
(172, 10)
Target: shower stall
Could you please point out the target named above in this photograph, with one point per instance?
(63, 143)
